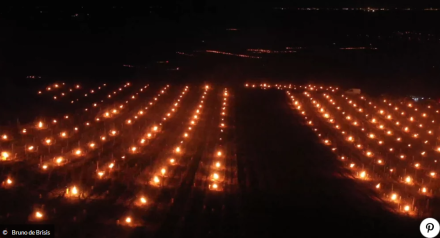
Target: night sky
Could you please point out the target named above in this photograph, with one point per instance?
(198, 4)
(203, 5)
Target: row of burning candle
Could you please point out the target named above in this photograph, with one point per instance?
(114, 132)
(75, 191)
(361, 174)
(153, 130)
(157, 179)
(292, 87)
(59, 160)
(418, 142)
(55, 86)
(41, 124)
(219, 156)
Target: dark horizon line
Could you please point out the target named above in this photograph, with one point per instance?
(223, 3)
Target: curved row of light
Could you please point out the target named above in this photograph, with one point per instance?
(72, 191)
(109, 167)
(77, 87)
(65, 93)
(363, 174)
(417, 141)
(53, 87)
(151, 133)
(157, 179)
(294, 87)
(56, 162)
(47, 141)
(412, 129)
(40, 125)
(92, 91)
(64, 159)
(217, 168)
(381, 112)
